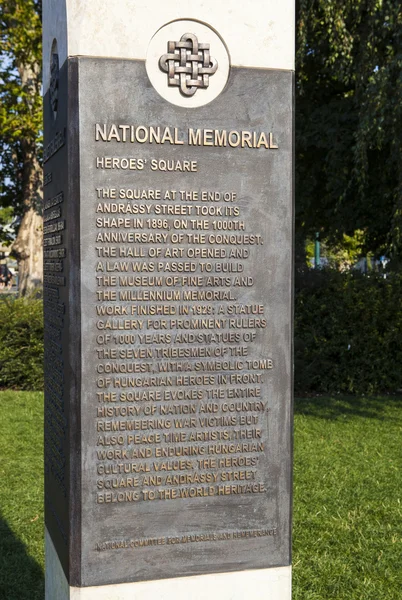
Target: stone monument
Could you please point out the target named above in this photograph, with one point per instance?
(168, 236)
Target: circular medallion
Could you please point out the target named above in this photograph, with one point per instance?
(187, 63)
(54, 78)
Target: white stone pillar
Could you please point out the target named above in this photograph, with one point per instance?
(107, 84)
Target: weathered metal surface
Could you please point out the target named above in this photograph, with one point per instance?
(183, 222)
(62, 321)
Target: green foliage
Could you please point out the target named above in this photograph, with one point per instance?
(342, 254)
(6, 220)
(21, 343)
(348, 250)
(20, 99)
(348, 121)
(348, 332)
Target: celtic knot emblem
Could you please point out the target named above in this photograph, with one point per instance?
(188, 64)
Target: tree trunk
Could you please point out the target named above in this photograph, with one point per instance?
(28, 244)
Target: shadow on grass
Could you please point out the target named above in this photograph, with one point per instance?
(335, 407)
(21, 577)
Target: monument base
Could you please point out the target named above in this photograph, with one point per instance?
(259, 584)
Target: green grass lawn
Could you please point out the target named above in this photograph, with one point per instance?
(21, 496)
(347, 498)
(347, 538)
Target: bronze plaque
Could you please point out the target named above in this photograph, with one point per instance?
(179, 296)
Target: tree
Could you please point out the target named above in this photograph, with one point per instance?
(20, 131)
(349, 122)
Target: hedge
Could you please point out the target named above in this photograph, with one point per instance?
(348, 332)
(21, 343)
(348, 335)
